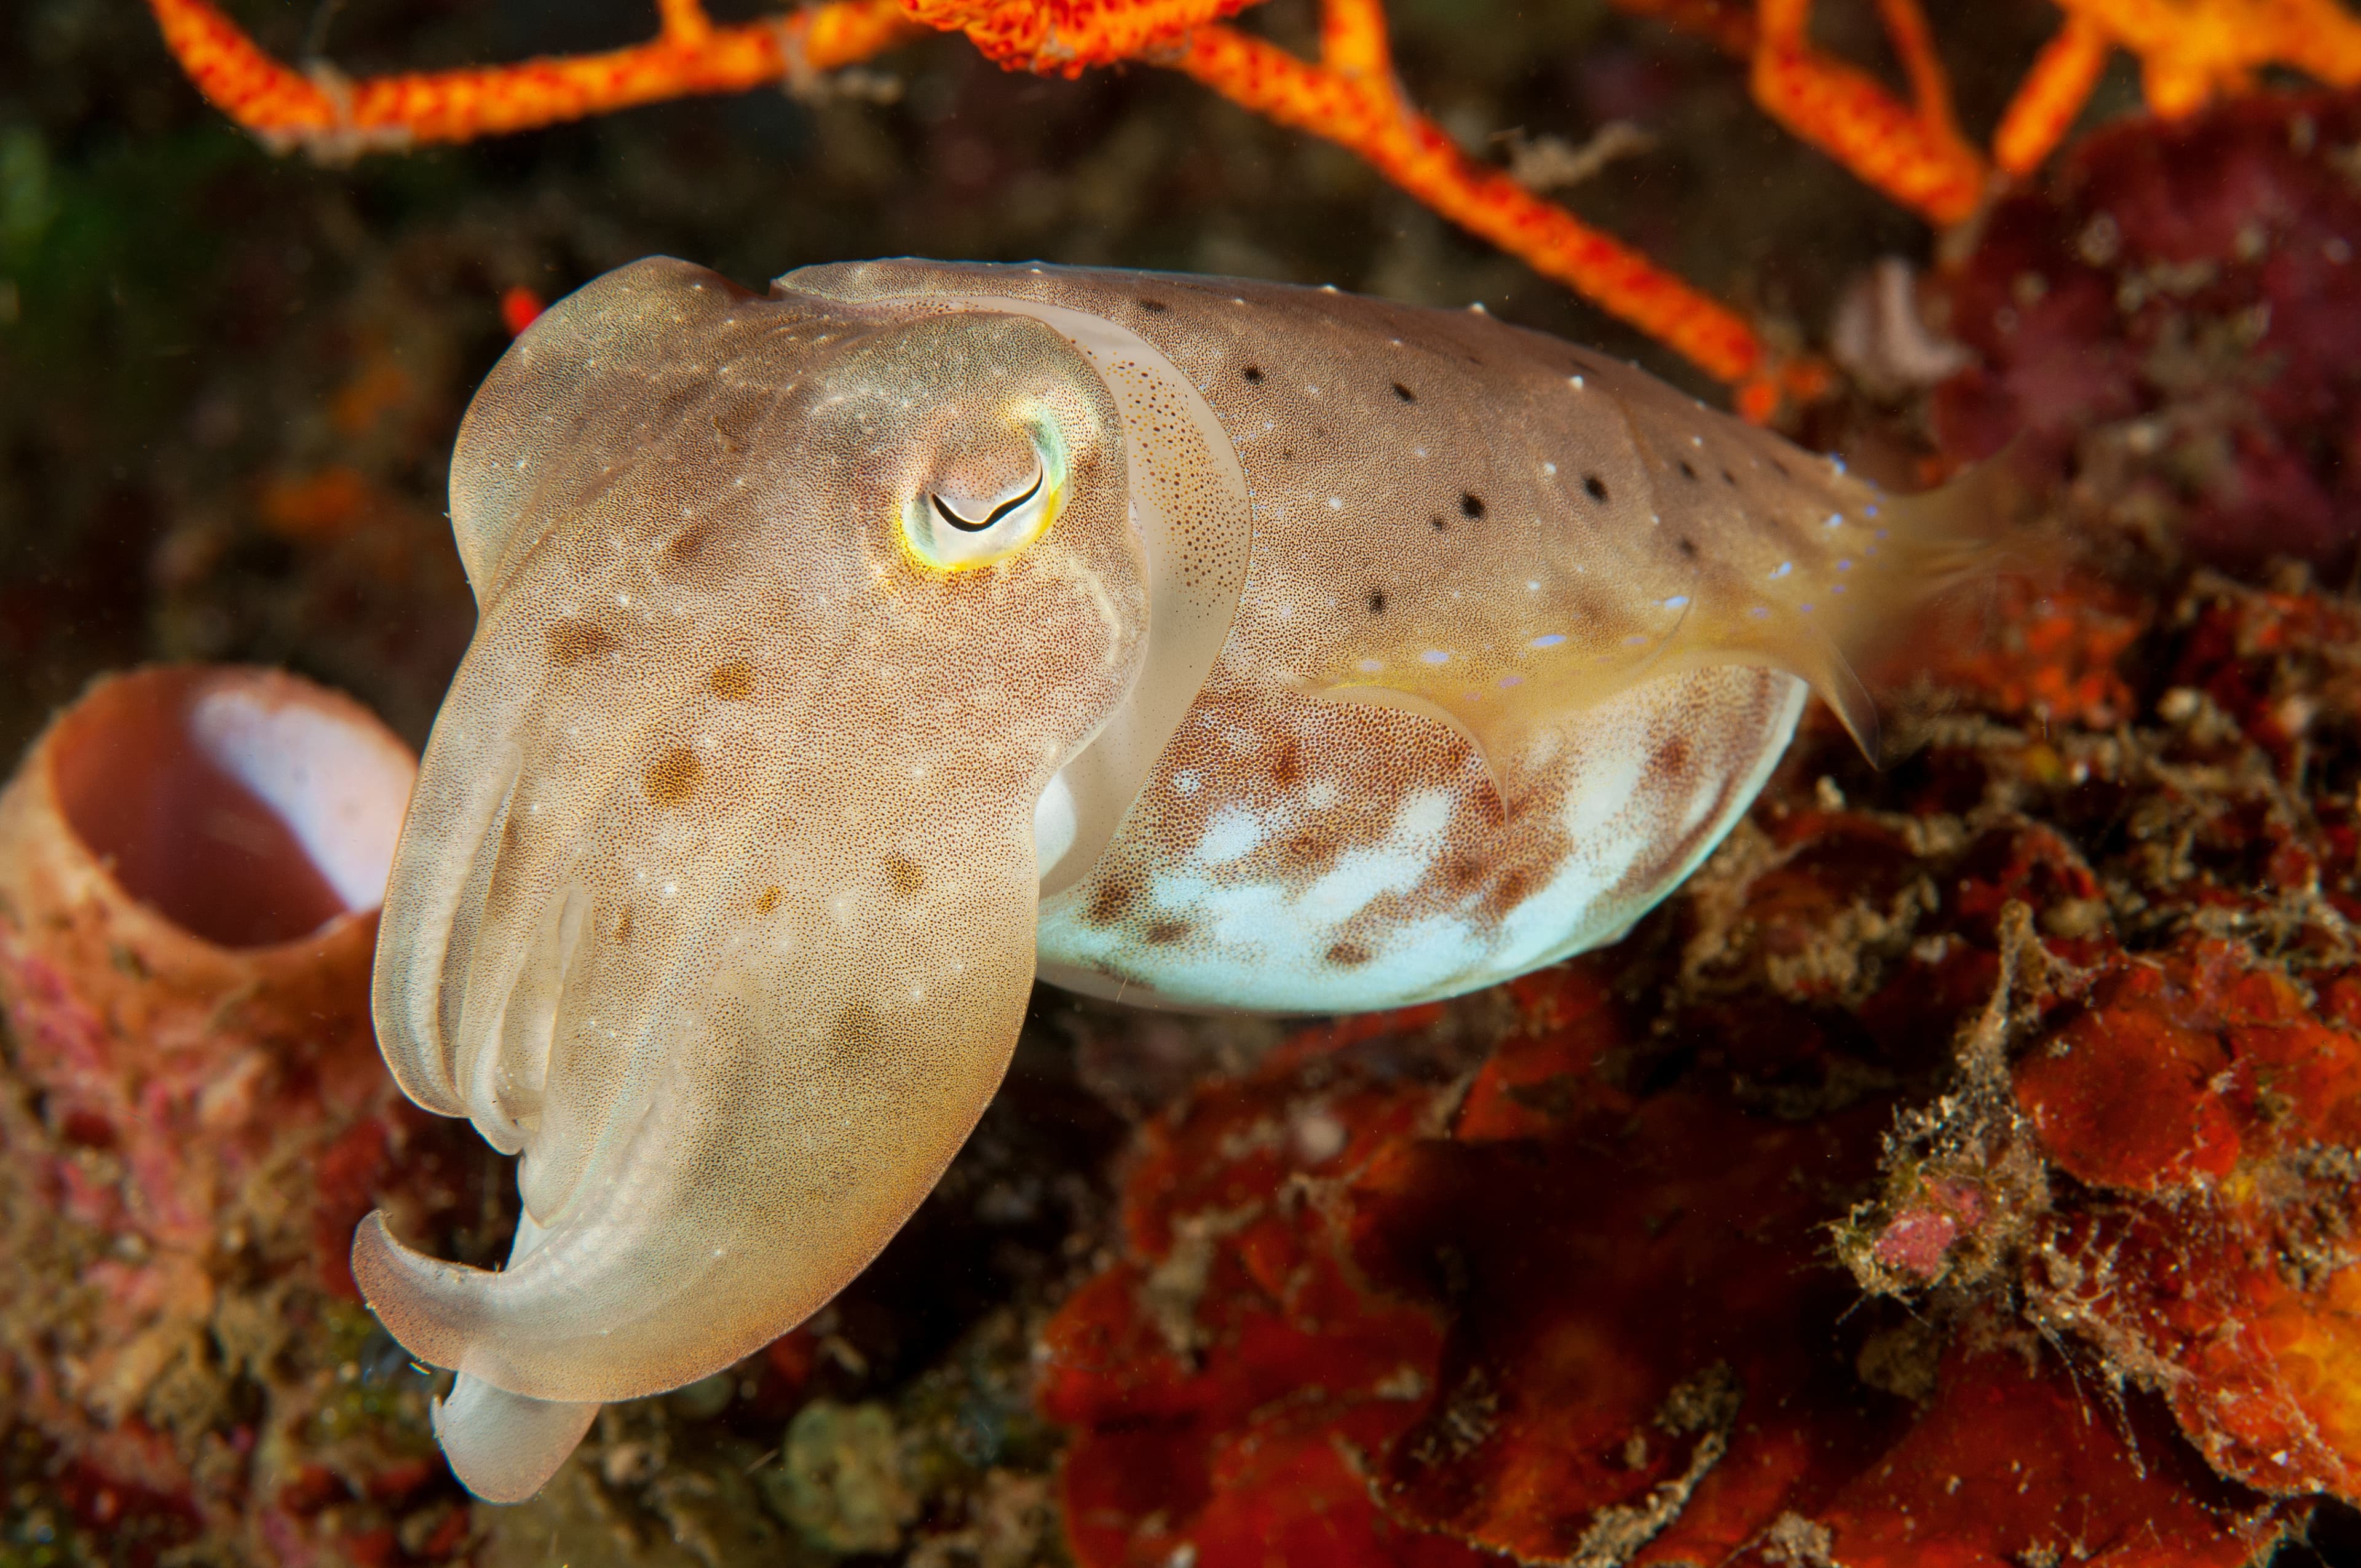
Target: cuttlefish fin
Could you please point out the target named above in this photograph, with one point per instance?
(1866, 622)
(504, 1447)
(1816, 658)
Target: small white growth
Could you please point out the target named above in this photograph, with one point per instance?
(1547, 640)
(1434, 656)
(1782, 568)
(1370, 666)
(1319, 1136)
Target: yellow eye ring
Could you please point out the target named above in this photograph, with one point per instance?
(945, 537)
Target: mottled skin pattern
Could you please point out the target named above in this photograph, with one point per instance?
(1217, 644)
(1297, 855)
(1431, 493)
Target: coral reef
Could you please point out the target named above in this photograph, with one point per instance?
(190, 864)
(2180, 312)
(2079, 1121)
(1993, 1112)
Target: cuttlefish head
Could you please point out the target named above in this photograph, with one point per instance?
(716, 900)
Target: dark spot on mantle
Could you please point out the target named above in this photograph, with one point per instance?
(1111, 899)
(571, 641)
(673, 777)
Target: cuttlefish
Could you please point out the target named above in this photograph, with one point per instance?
(850, 658)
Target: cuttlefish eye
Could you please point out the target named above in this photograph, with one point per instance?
(971, 512)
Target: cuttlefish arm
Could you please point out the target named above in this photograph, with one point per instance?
(716, 897)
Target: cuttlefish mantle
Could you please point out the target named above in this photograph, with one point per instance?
(848, 657)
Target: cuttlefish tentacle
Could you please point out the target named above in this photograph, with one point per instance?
(718, 903)
(840, 655)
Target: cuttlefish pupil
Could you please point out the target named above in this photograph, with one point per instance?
(1162, 749)
(943, 508)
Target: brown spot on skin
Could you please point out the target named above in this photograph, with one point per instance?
(1308, 851)
(1511, 891)
(673, 777)
(1471, 504)
(766, 901)
(684, 548)
(1157, 306)
(1377, 601)
(1594, 485)
(1164, 933)
(1687, 472)
(623, 925)
(1672, 759)
(858, 1032)
(1108, 903)
(1655, 871)
(1348, 955)
(1461, 872)
(1688, 548)
(732, 682)
(571, 641)
(1287, 766)
(1252, 373)
(905, 874)
(1404, 394)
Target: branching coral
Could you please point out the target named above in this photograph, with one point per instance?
(1913, 152)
